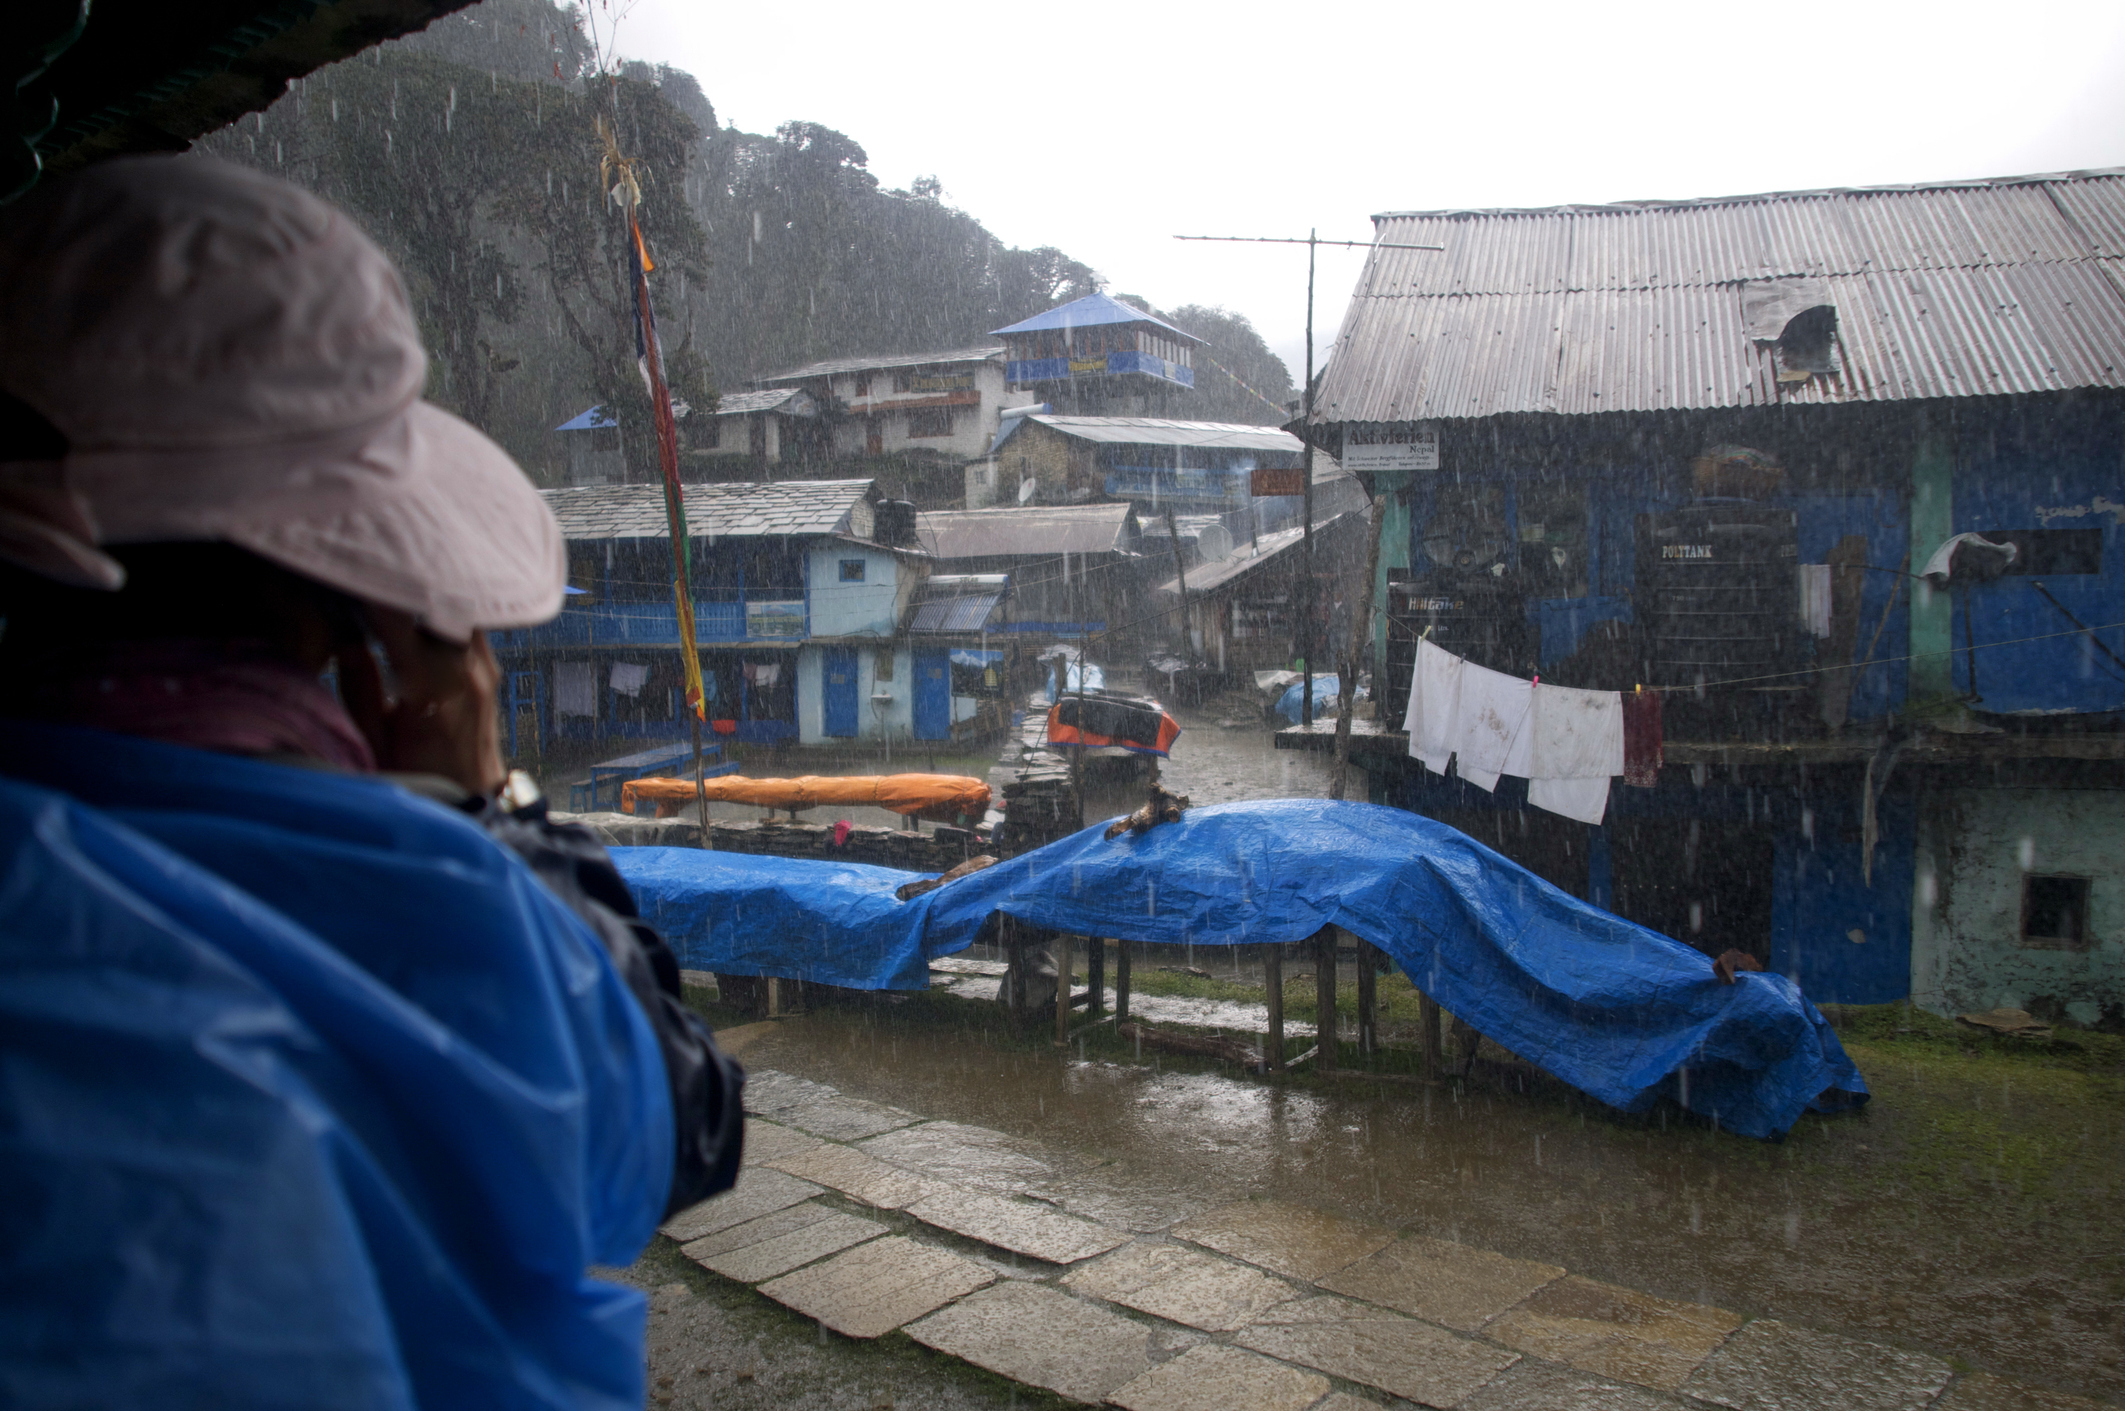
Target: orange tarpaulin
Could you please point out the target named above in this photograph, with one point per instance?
(942, 798)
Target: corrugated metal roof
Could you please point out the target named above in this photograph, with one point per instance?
(790, 399)
(1032, 531)
(888, 360)
(958, 602)
(1248, 557)
(1090, 312)
(1954, 290)
(1158, 431)
(737, 509)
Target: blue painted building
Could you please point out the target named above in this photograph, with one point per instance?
(804, 596)
(1725, 448)
(1097, 356)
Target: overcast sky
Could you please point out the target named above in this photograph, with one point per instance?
(1107, 129)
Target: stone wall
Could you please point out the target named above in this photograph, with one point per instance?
(907, 849)
(1977, 848)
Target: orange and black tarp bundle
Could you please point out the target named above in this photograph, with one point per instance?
(1121, 722)
(940, 798)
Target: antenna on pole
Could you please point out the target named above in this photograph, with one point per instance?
(1312, 241)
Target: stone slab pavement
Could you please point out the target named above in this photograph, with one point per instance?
(872, 1221)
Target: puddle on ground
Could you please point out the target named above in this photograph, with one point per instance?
(1894, 1223)
(1844, 1226)
(1211, 764)
(1222, 1016)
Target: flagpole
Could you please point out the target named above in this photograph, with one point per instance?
(629, 194)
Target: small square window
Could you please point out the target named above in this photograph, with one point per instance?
(2055, 912)
(852, 570)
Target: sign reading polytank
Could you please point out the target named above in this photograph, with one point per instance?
(1396, 448)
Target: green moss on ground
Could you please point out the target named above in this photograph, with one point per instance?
(1905, 1031)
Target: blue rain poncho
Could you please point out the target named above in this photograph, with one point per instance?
(310, 1095)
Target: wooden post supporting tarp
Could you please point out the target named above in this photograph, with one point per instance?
(1273, 978)
(1062, 990)
(1121, 979)
(1368, 999)
(1324, 990)
(1428, 1021)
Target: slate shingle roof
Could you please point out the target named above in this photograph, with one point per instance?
(761, 509)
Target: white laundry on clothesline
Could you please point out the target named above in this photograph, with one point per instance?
(1575, 747)
(1490, 728)
(575, 687)
(1434, 701)
(1565, 742)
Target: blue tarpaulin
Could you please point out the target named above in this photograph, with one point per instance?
(1616, 1010)
(310, 1095)
(836, 923)
(1326, 689)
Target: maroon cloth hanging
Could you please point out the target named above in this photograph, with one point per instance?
(1641, 739)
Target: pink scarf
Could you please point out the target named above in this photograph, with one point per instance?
(210, 696)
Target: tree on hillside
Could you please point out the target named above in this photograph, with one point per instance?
(420, 150)
(811, 258)
(528, 40)
(485, 191)
(468, 150)
(582, 236)
(1237, 378)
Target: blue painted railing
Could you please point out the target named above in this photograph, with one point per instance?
(657, 625)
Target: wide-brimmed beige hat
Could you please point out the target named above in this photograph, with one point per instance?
(230, 358)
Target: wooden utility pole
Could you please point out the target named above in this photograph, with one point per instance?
(1360, 630)
(1312, 242)
(1180, 575)
(1306, 469)
(1063, 964)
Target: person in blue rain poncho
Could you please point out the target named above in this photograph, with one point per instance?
(325, 1074)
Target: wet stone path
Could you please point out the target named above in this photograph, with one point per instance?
(1074, 1275)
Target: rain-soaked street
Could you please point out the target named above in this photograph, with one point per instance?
(1966, 1215)
(535, 534)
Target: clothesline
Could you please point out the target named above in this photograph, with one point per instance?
(1567, 743)
(2088, 632)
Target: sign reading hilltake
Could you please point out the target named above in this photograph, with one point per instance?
(1411, 448)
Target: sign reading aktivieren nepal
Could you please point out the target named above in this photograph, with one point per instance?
(1409, 446)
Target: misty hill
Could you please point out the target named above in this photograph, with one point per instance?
(470, 151)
